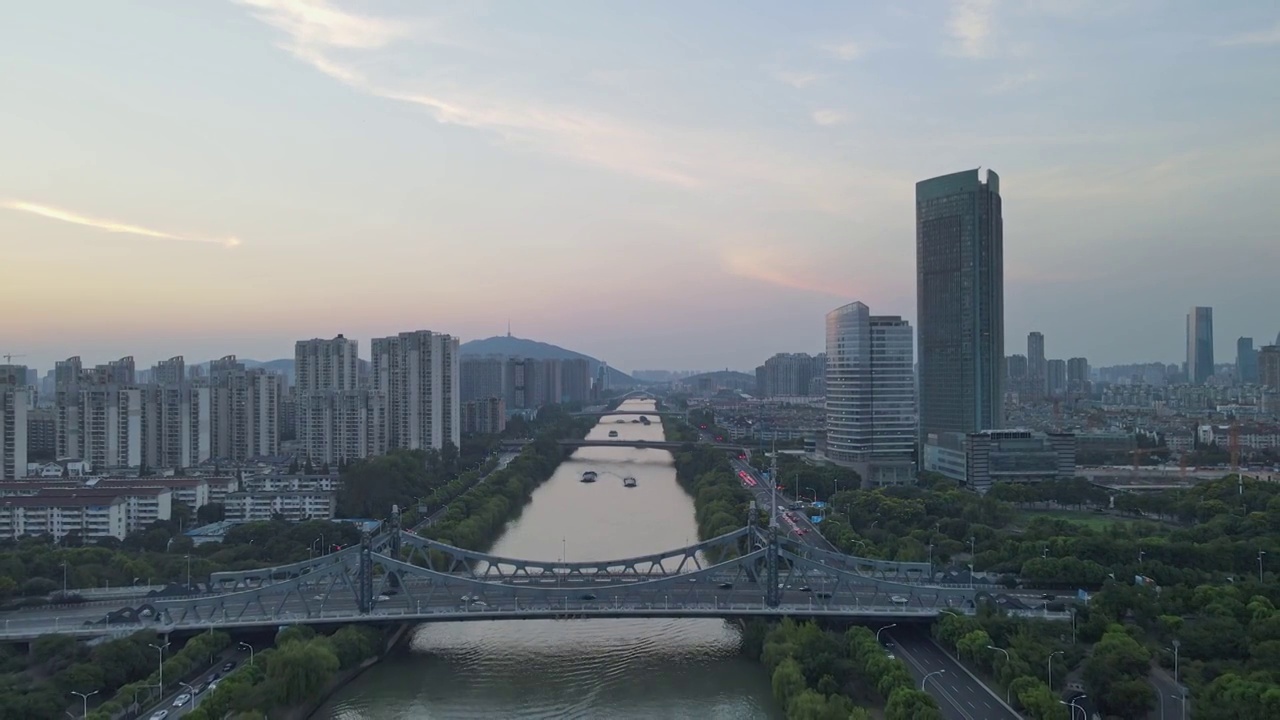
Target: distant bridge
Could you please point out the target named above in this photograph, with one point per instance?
(398, 576)
(654, 413)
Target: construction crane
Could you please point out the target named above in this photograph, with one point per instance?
(8, 357)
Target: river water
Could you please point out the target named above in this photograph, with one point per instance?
(608, 669)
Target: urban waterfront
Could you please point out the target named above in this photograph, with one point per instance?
(577, 669)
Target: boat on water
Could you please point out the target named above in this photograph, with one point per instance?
(644, 420)
(613, 433)
(628, 481)
(589, 476)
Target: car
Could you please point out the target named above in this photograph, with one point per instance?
(159, 715)
(201, 688)
(725, 586)
(823, 595)
(228, 666)
(479, 603)
(384, 597)
(588, 596)
(318, 597)
(181, 700)
(213, 677)
(1048, 596)
(898, 600)
(805, 588)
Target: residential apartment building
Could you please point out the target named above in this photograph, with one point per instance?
(1037, 366)
(1246, 361)
(791, 375)
(42, 434)
(482, 377)
(1056, 377)
(326, 365)
(90, 517)
(244, 412)
(484, 417)
(342, 425)
(1078, 375)
(417, 372)
(870, 394)
(291, 483)
(294, 506)
(1199, 345)
(14, 401)
(141, 506)
(960, 302)
(1269, 367)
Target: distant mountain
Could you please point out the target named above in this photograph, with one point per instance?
(507, 345)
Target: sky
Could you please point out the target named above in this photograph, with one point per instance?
(659, 184)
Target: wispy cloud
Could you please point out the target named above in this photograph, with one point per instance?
(1257, 37)
(797, 80)
(847, 50)
(828, 118)
(971, 24)
(780, 269)
(110, 226)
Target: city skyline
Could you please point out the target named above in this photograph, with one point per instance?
(180, 171)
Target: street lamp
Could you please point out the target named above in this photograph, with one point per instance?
(188, 572)
(85, 697)
(1075, 707)
(191, 692)
(886, 627)
(1176, 644)
(1006, 659)
(1260, 554)
(815, 493)
(1055, 652)
(925, 679)
(161, 648)
(973, 558)
(64, 577)
(1184, 702)
(248, 647)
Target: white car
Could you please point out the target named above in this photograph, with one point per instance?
(899, 600)
(181, 700)
(160, 715)
(383, 598)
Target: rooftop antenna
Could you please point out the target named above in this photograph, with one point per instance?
(508, 327)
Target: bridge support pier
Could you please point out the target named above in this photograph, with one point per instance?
(773, 594)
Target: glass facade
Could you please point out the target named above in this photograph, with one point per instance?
(960, 302)
(1199, 345)
(871, 410)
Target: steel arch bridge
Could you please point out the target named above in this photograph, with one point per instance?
(397, 576)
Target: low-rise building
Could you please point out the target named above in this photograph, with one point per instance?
(290, 483)
(983, 458)
(293, 506)
(91, 517)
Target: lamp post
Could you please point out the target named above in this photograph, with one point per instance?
(815, 493)
(973, 558)
(1006, 659)
(248, 647)
(64, 578)
(1055, 652)
(188, 572)
(161, 648)
(925, 679)
(1184, 702)
(1075, 707)
(1260, 554)
(85, 697)
(886, 627)
(191, 692)
(1176, 644)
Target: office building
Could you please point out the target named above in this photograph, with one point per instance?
(484, 417)
(870, 400)
(1246, 362)
(417, 372)
(1037, 367)
(14, 401)
(1199, 345)
(1269, 367)
(1056, 377)
(960, 302)
(1078, 375)
(983, 458)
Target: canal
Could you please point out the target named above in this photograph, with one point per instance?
(611, 669)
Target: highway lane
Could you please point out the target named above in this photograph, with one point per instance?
(959, 696)
(166, 703)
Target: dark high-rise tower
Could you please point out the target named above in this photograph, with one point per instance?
(960, 302)
(1246, 361)
(1037, 370)
(1199, 345)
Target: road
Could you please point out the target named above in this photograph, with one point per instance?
(239, 656)
(959, 696)
(503, 460)
(797, 524)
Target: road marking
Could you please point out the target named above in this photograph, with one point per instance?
(941, 689)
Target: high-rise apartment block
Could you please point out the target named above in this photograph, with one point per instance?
(1056, 377)
(417, 373)
(484, 417)
(336, 418)
(1246, 361)
(870, 394)
(525, 383)
(1199, 345)
(1016, 370)
(1037, 368)
(1269, 367)
(792, 375)
(14, 399)
(1077, 375)
(960, 302)
(244, 410)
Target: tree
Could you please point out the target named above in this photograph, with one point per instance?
(300, 670)
(788, 682)
(211, 513)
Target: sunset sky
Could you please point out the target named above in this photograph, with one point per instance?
(659, 184)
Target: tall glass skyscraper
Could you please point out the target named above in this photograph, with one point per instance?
(871, 408)
(960, 302)
(1199, 345)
